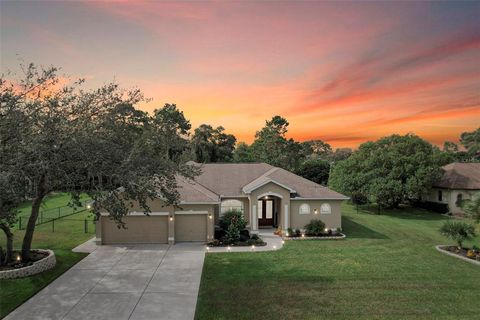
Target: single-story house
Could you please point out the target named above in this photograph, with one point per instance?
(268, 196)
(459, 182)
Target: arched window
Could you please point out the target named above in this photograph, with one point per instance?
(304, 209)
(231, 204)
(459, 200)
(325, 208)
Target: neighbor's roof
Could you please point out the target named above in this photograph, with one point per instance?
(237, 179)
(459, 175)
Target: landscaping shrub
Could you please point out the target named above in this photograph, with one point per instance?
(255, 236)
(458, 231)
(315, 228)
(359, 198)
(232, 217)
(298, 233)
(290, 232)
(233, 222)
(244, 235)
(432, 206)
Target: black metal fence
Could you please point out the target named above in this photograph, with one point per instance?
(52, 214)
(62, 224)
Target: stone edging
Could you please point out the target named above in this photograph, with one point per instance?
(37, 267)
(341, 236)
(439, 248)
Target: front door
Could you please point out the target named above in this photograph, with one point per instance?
(265, 213)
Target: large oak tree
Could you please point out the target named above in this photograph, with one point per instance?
(70, 139)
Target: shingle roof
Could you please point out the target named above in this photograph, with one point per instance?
(459, 175)
(191, 191)
(230, 179)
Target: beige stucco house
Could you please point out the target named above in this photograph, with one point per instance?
(459, 182)
(268, 196)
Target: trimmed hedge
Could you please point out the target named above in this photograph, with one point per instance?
(433, 206)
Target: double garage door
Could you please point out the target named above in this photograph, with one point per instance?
(154, 229)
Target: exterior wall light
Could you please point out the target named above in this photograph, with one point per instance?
(171, 218)
(315, 211)
(210, 216)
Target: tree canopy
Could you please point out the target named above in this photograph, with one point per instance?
(471, 142)
(212, 144)
(390, 171)
(65, 138)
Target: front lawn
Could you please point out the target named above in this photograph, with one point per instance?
(69, 232)
(387, 268)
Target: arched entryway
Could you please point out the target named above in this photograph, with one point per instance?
(268, 210)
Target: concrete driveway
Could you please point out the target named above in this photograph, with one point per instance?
(123, 282)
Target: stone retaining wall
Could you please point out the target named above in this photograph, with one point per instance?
(37, 267)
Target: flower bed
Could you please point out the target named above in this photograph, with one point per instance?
(46, 260)
(471, 255)
(254, 241)
(337, 236)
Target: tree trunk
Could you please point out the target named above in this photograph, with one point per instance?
(9, 247)
(37, 201)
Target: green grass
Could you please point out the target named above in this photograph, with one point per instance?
(69, 232)
(387, 268)
(52, 206)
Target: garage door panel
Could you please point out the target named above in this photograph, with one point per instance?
(190, 227)
(145, 229)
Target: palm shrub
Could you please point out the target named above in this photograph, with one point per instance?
(315, 227)
(232, 222)
(458, 231)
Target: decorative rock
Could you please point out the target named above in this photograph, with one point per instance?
(38, 266)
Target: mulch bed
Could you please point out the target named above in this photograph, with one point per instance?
(319, 237)
(35, 255)
(461, 252)
(237, 244)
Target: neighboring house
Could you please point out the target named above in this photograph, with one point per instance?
(269, 197)
(459, 182)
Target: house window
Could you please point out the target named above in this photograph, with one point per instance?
(304, 209)
(230, 205)
(459, 200)
(325, 208)
(440, 195)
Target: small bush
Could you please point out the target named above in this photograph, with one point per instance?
(233, 216)
(359, 198)
(432, 206)
(458, 231)
(255, 236)
(233, 222)
(298, 233)
(289, 232)
(315, 228)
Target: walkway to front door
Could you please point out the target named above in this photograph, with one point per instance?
(123, 282)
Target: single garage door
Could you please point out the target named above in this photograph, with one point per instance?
(190, 227)
(143, 229)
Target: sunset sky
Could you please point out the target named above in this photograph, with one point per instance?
(343, 72)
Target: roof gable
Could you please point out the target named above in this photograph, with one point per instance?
(459, 175)
(239, 179)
